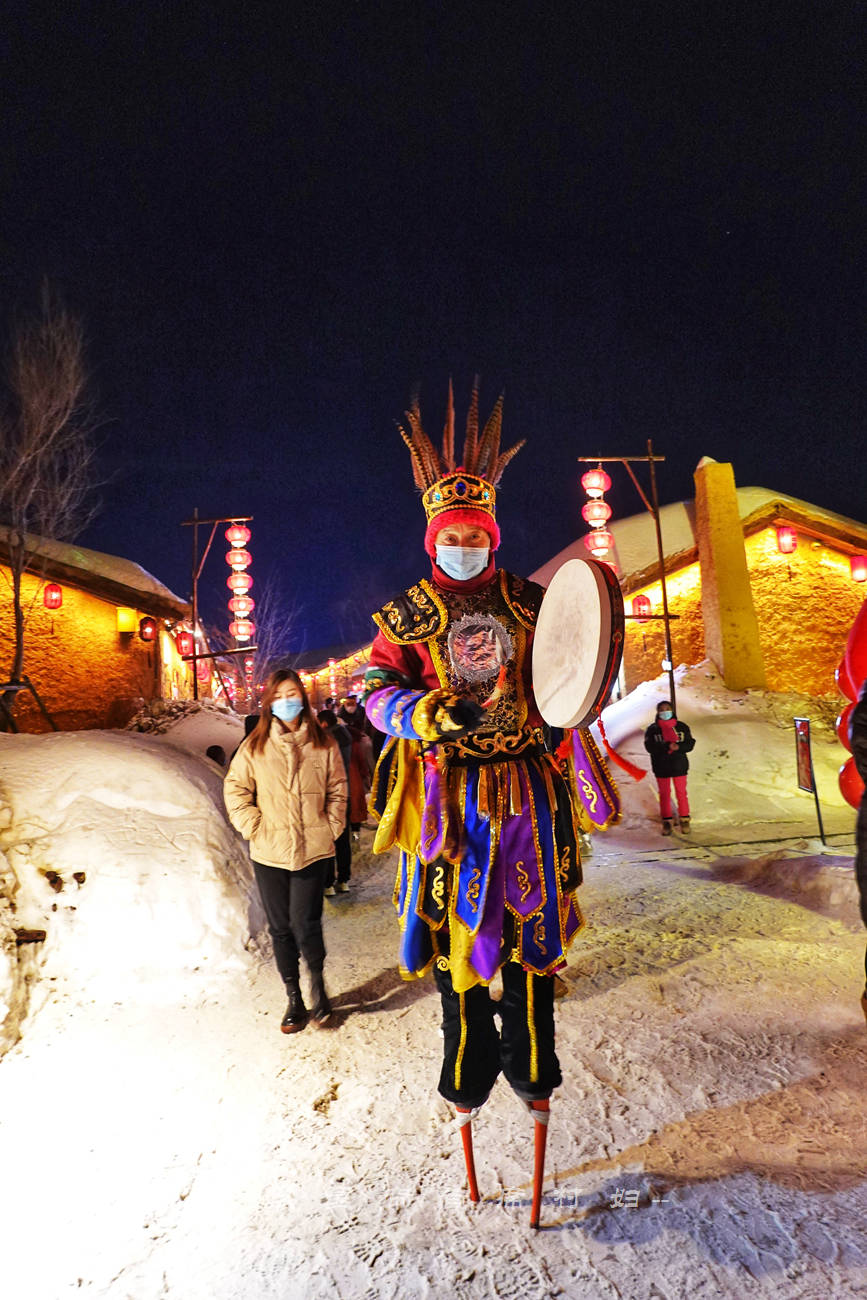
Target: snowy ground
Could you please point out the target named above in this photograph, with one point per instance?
(160, 1138)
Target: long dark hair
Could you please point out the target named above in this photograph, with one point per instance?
(319, 738)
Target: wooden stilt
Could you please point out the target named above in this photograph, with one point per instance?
(540, 1112)
(465, 1119)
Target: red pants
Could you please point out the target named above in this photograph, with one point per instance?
(664, 783)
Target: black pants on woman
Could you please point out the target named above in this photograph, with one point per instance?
(474, 1052)
(293, 908)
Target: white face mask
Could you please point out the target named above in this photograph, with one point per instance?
(463, 562)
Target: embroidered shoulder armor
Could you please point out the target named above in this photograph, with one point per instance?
(415, 615)
(523, 597)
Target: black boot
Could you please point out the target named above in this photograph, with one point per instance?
(321, 1006)
(296, 1012)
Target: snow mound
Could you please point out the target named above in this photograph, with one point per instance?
(116, 846)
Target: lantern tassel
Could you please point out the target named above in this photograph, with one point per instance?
(637, 773)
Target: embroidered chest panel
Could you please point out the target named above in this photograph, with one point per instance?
(481, 649)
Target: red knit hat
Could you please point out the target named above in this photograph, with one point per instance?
(461, 515)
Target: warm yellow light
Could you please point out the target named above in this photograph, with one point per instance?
(127, 619)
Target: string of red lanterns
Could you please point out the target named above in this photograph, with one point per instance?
(596, 512)
(239, 582)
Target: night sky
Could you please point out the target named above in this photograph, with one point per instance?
(639, 221)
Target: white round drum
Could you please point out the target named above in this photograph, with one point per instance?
(578, 643)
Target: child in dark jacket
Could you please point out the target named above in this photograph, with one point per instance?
(668, 742)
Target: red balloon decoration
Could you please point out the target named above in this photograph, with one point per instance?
(851, 785)
(856, 652)
(841, 727)
(844, 683)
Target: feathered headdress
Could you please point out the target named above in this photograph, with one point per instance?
(459, 493)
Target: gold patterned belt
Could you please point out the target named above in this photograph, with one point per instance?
(493, 746)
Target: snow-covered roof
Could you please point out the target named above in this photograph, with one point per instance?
(635, 537)
(108, 576)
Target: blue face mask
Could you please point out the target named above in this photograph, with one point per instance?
(666, 714)
(463, 562)
(286, 710)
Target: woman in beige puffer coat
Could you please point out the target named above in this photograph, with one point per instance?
(285, 791)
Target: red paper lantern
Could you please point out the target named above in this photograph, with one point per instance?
(856, 652)
(595, 482)
(242, 605)
(52, 596)
(599, 543)
(851, 785)
(841, 727)
(596, 513)
(640, 607)
(249, 665)
(787, 539)
(238, 559)
(184, 642)
(242, 629)
(239, 582)
(237, 535)
(147, 629)
(858, 567)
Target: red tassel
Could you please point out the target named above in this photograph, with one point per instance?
(637, 773)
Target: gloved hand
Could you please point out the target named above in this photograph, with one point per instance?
(441, 715)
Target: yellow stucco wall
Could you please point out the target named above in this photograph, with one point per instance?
(806, 603)
(86, 672)
(644, 646)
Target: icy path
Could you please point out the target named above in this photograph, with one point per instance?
(715, 1059)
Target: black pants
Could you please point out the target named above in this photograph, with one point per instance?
(473, 1051)
(342, 858)
(293, 908)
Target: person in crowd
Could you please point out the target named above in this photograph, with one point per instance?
(361, 761)
(337, 880)
(352, 714)
(285, 792)
(668, 741)
(858, 739)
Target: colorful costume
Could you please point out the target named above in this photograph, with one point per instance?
(486, 818)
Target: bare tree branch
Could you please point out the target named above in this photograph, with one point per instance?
(46, 443)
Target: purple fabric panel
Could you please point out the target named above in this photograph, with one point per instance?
(485, 955)
(518, 851)
(595, 796)
(432, 821)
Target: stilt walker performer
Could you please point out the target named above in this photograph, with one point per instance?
(485, 818)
